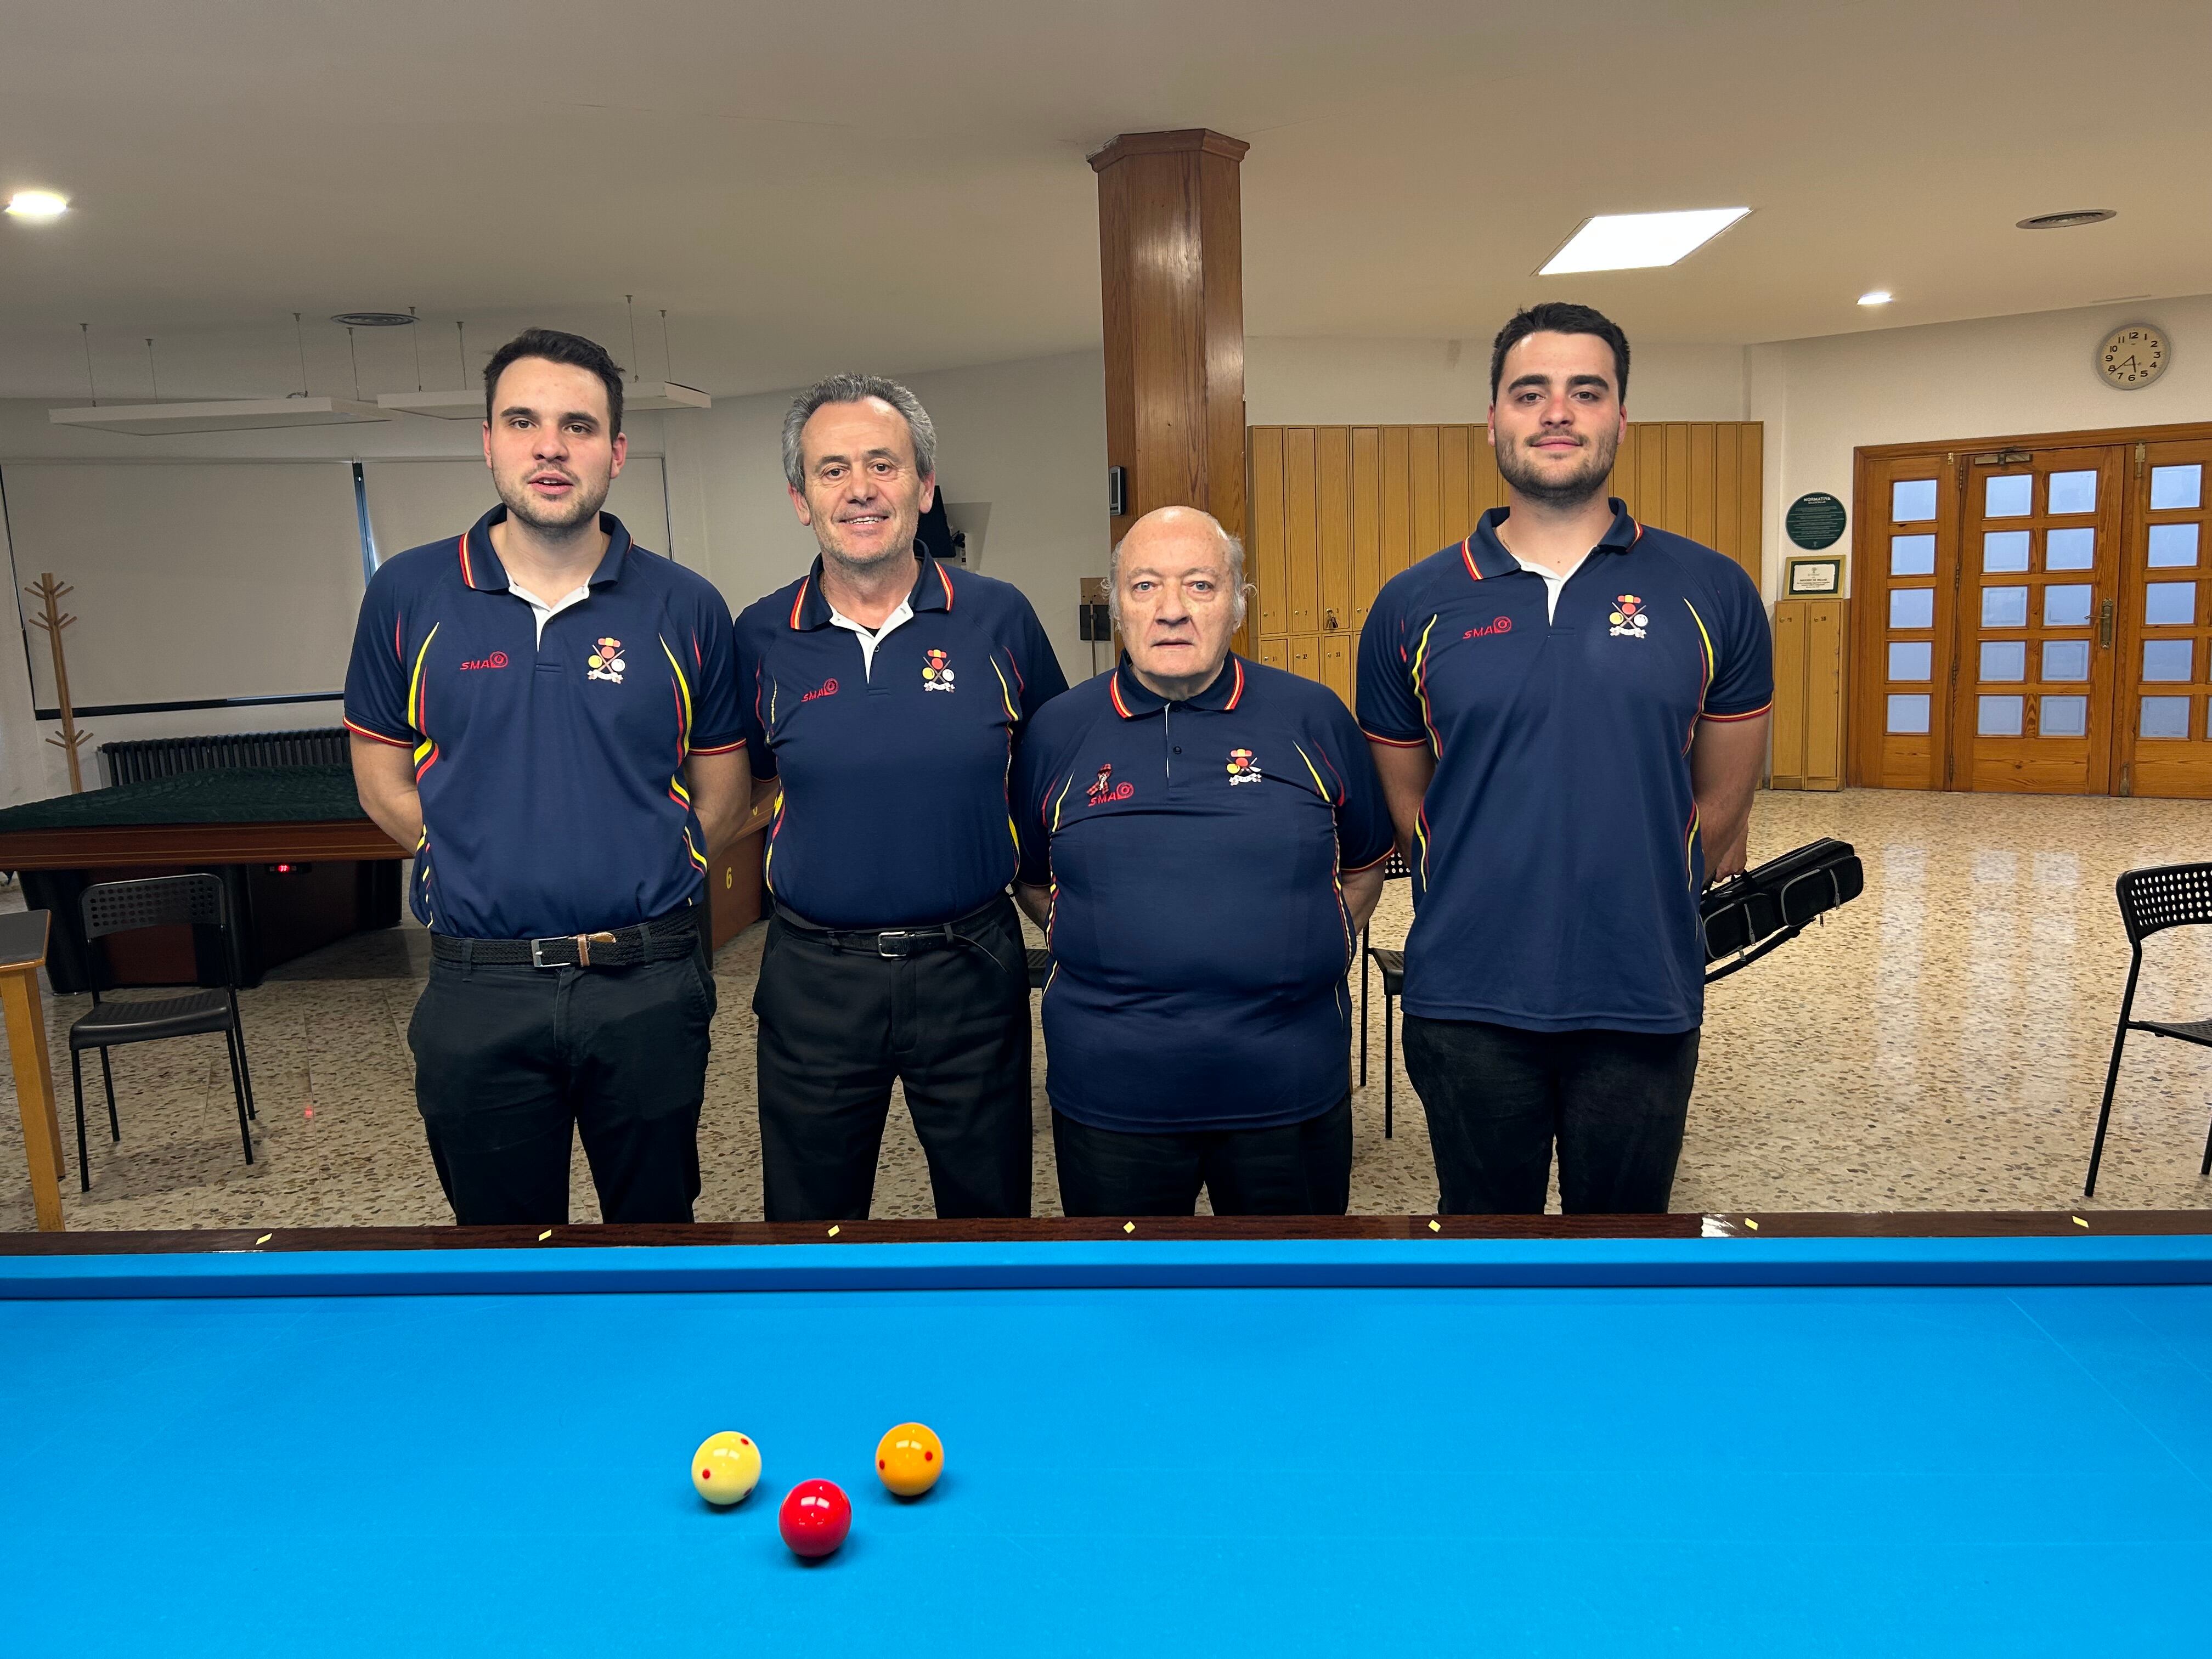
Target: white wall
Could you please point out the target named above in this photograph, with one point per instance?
(1995, 378)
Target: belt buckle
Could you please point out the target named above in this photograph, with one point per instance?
(537, 953)
(901, 934)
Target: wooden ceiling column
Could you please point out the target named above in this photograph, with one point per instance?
(1170, 242)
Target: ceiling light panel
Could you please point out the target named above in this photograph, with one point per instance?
(37, 205)
(1639, 242)
(1880, 296)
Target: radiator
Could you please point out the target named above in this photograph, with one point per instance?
(165, 757)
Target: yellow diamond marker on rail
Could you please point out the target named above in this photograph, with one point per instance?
(1128, 1226)
(834, 1232)
(547, 1234)
(1435, 1226)
(2079, 1222)
(1749, 1223)
(265, 1238)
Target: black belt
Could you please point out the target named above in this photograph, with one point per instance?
(664, 939)
(894, 942)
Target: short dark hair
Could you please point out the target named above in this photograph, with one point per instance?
(1560, 317)
(556, 347)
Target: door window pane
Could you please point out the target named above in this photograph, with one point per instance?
(2001, 717)
(1913, 660)
(2170, 486)
(2162, 717)
(2073, 492)
(2063, 717)
(2066, 659)
(2004, 607)
(2170, 544)
(1912, 500)
(2167, 659)
(2069, 549)
(1912, 607)
(1908, 712)
(2004, 659)
(2067, 606)
(2168, 605)
(2010, 497)
(2004, 550)
(1912, 556)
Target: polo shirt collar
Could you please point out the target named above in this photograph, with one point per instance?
(1133, 700)
(933, 590)
(1485, 556)
(481, 569)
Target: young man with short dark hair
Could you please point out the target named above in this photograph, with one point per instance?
(548, 713)
(1568, 710)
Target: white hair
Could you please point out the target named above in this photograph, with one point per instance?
(1232, 549)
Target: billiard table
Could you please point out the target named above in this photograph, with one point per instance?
(1418, 1437)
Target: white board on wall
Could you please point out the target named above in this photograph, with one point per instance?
(194, 581)
(411, 502)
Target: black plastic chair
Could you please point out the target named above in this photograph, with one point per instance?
(2152, 901)
(1392, 966)
(122, 906)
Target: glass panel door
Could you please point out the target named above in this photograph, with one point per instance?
(2039, 587)
(1906, 585)
(2166, 634)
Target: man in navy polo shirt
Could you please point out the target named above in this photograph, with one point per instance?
(1203, 838)
(1569, 713)
(884, 695)
(548, 715)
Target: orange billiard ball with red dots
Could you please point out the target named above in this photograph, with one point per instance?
(909, 1458)
(725, 1467)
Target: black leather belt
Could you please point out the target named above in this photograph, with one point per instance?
(664, 939)
(893, 943)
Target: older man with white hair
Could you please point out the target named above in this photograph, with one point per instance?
(1202, 838)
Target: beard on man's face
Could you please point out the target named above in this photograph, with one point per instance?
(1555, 488)
(549, 517)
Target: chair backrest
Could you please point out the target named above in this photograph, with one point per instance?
(118, 907)
(1395, 868)
(2170, 896)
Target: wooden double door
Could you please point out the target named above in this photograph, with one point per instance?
(2034, 615)
(1336, 511)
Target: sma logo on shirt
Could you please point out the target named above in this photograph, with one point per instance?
(1104, 788)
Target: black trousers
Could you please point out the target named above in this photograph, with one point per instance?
(1497, 1097)
(511, 1061)
(839, 1023)
(1297, 1169)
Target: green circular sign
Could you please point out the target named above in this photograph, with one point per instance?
(1815, 521)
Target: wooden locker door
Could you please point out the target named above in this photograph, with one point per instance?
(2164, 651)
(1268, 619)
(1906, 554)
(1336, 664)
(1788, 725)
(1827, 633)
(2039, 563)
(1333, 516)
(1302, 536)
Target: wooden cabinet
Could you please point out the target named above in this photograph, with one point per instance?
(1809, 694)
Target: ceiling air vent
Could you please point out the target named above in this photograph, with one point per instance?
(2067, 221)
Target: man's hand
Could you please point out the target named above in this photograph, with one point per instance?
(1362, 889)
(1036, 902)
(1726, 758)
(384, 778)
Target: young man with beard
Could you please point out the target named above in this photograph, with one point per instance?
(547, 714)
(1568, 711)
(884, 695)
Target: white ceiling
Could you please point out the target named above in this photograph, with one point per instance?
(901, 184)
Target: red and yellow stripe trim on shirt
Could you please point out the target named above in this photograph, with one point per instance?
(947, 581)
(1467, 557)
(1114, 696)
(426, 752)
(799, 600)
(1709, 663)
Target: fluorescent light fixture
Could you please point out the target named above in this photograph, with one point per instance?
(1639, 242)
(228, 415)
(470, 405)
(37, 205)
(1877, 296)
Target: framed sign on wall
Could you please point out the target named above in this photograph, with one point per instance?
(1812, 578)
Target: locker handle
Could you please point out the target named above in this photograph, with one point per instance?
(1329, 620)
(2105, 626)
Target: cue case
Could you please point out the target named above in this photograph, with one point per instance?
(1749, 914)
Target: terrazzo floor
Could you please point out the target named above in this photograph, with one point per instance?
(1939, 1044)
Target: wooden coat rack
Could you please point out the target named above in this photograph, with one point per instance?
(50, 593)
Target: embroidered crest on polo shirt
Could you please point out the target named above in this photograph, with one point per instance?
(936, 672)
(1242, 767)
(1629, 617)
(605, 662)
(1104, 788)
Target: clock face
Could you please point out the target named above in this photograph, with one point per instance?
(2132, 356)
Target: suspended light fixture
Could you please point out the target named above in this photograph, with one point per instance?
(158, 419)
(468, 403)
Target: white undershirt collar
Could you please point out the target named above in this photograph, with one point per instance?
(872, 637)
(543, 611)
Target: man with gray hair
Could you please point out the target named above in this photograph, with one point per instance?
(1202, 838)
(885, 697)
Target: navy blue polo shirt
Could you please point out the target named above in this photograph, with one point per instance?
(551, 769)
(1557, 863)
(894, 811)
(1194, 852)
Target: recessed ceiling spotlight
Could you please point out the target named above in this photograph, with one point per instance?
(2067, 221)
(37, 205)
(372, 319)
(1878, 296)
(1639, 242)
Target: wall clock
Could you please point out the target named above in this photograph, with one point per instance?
(2133, 355)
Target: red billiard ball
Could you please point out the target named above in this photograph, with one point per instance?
(815, 1517)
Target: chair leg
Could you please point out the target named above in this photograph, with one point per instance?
(1389, 1074)
(238, 1092)
(1364, 966)
(2105, 1112)
(2205, 1168)
(107, 1077)
(238, 1036)
(77, 1087)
